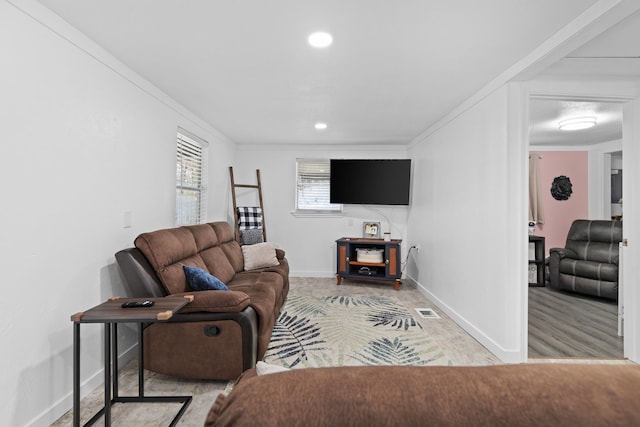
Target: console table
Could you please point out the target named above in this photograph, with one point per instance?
(110, 313)
(348, 266)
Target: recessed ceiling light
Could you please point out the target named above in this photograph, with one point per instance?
(320, 39)
(577, 123)
(320, 126)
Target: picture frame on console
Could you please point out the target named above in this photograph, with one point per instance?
(371, 230)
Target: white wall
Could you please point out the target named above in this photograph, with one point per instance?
(462, 219)
(600, 178)
(310, 241)
(85, 140)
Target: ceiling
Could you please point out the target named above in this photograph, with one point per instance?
(545, 115)
(615, 54)
(394, 69)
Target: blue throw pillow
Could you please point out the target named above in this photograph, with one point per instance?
(200, 280)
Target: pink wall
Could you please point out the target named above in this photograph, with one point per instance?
(559, 214)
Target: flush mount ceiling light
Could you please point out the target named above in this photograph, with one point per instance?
(577, 123)
(320, 126)
(320, 39)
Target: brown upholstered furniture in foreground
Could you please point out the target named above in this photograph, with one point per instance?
(221, 333)
(505, 395)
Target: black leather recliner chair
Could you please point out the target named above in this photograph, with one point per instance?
(588, 263)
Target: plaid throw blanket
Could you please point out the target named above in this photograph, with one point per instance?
(249, 217)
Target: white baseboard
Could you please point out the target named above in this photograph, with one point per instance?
(94, 381)
(312, 274)
(506, 356)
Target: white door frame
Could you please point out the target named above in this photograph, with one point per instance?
(631, 229)
(629, 97)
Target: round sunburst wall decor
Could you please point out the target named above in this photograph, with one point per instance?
(561, 188)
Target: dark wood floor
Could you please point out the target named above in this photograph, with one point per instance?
(563, 324)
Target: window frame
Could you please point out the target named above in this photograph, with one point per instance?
(192, 151)
(313, 169)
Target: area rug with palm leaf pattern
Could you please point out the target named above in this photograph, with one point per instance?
(349, 331)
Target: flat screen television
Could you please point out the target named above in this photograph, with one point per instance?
(370, 181)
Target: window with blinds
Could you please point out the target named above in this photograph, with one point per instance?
(191, 178)
(312, 186)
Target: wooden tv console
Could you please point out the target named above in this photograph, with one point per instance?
(348, 266)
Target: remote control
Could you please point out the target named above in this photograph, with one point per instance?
(137, 304)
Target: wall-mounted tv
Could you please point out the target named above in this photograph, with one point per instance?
(370, 181)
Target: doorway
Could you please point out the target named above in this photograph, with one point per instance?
(566, 324)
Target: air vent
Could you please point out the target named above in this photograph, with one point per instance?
(427, 313)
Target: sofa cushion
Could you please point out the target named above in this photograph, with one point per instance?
(595, 240)
(166, 247)
(264, 290)
(251, 236)
(258, 285)
(259, 256)
(589, 269)
(223, 230)
(200, 280)
(595, 251)
(173, 278)
(166, 251)
(203, 235)
(218, 264)
(233, 252)
(283, 270)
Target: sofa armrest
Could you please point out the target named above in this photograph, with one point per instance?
(563, 253)
(215, 301)
(280, 253)
(138, 276)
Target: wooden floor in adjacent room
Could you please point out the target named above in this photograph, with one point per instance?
(563, 324)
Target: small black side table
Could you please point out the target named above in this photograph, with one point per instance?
(537, 260)
(110, 313)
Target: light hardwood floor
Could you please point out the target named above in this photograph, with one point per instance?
(563, 324)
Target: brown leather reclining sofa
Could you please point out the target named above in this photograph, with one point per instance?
(219, 334)
(588, 264)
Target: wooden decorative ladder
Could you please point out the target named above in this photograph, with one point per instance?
(258, 187)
